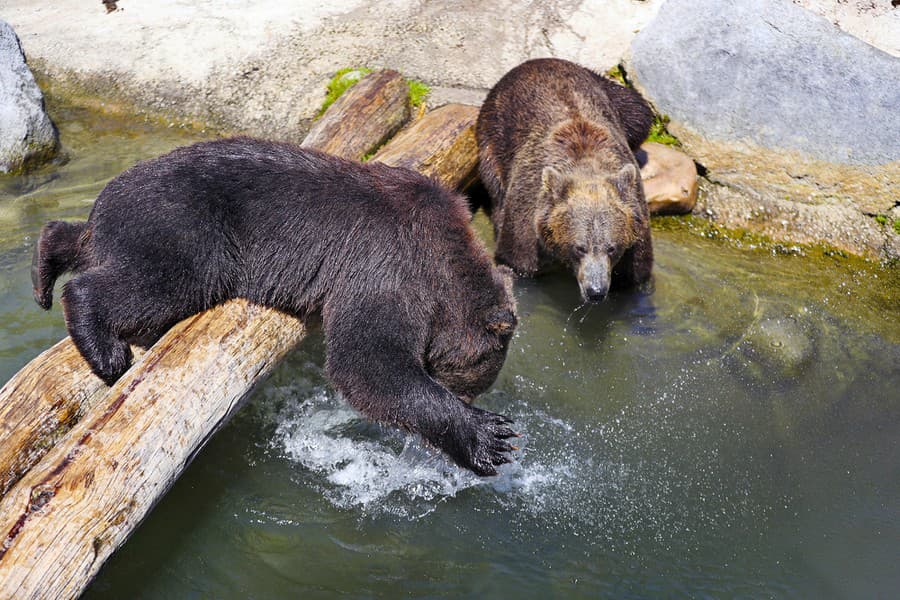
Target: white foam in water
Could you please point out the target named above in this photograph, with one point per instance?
(319, 434)
(383, 470)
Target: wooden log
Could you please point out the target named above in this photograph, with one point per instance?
(40, 404)
(441, 145)
(364, 117)
(31, 423)
(71, 511)
(46, 398)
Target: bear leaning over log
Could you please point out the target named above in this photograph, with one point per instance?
(556, 147)
(417, 318)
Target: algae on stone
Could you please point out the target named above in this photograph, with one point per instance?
(659, 132)
(617, 73)
(658, 129)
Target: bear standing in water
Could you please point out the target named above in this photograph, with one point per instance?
(556, 147)
(417, 319)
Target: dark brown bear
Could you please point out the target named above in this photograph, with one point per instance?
(416, 317)
(556, 147)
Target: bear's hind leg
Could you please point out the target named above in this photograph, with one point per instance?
(84, 300)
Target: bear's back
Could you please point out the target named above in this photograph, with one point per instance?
(245, 184)
(275, 206)
(529, 100)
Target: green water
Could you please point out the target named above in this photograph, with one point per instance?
(732, 433)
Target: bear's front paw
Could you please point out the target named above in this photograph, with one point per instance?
(478, 441)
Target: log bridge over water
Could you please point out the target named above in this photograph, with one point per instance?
(82, 464)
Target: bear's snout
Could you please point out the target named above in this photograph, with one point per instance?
(594, 278)
(594, 294)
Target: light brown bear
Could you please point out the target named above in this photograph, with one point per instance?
(556, 147)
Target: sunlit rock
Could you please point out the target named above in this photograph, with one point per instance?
(670, 179)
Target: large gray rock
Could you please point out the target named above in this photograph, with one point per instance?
(779, 104)
(27, 135)
(774, 73)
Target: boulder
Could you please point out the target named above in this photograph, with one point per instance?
(27, 135)
(780, 106)
(670, 179)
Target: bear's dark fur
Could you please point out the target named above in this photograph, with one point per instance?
(417, 318)
(556, 153)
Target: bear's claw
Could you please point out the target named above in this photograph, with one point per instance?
(483, 446)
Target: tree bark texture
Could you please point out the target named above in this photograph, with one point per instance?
(364, 117)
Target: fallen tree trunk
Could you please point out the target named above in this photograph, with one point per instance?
(46, 398)
(441, 145)
(373, 109)
(70, 512)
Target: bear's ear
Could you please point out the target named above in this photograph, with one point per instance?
(625, 179)
(501, 321)
(554, 182)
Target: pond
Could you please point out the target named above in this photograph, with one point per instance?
(732, 432)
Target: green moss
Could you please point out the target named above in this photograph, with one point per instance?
(886, 221)
(368, 156)
(617, 74)
(659, 132)
(32, 157)
(340, 83)
(418, 92)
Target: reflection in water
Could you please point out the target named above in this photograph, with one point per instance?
(730, 431)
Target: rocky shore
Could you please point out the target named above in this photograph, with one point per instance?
(799, 151)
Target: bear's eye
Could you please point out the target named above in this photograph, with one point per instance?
(580, 250)
(611, 250)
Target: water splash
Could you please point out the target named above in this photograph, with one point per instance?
(374, 469)
(364, 465)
